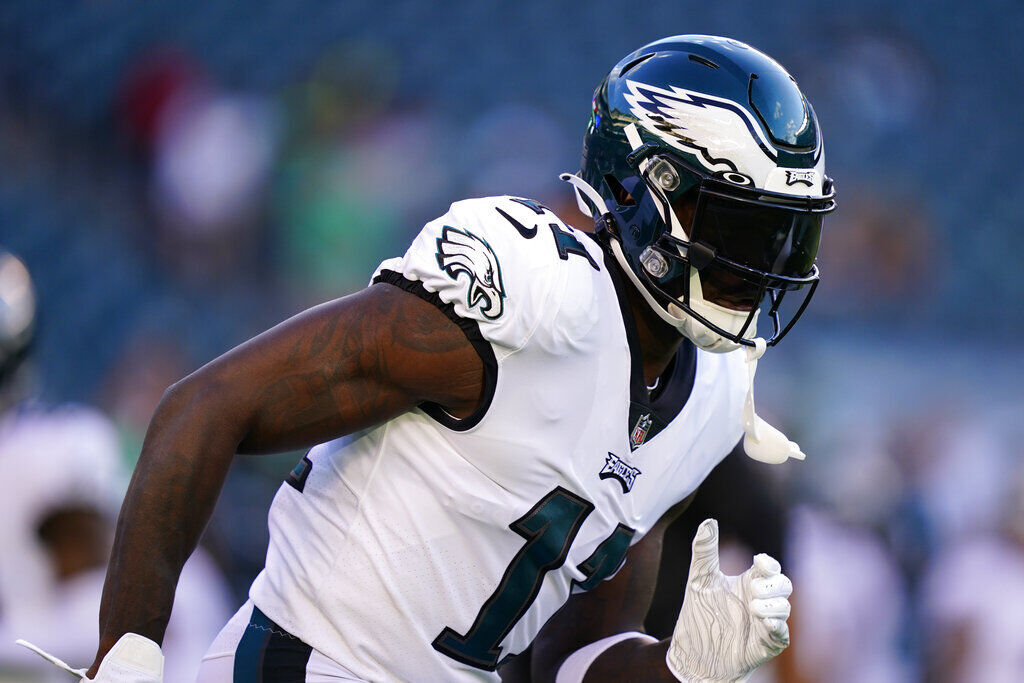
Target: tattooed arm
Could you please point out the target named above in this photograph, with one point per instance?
(334, 369)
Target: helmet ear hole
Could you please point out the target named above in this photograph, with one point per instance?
(621, 195)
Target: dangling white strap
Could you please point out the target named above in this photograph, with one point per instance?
(80, 673)
(761, 441)
(583, 188)
(633, 137)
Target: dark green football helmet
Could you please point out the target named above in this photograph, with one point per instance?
(704, 170)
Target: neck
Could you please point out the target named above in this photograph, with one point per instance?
(659, 341)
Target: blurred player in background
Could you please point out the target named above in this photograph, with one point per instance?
(58, 517)
(17, 328)
(511, 415)
(973, 596)
(58, 526)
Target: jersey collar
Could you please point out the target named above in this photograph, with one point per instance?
(647, 415)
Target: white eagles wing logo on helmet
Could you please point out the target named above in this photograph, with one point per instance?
(460, 251)
(721, 134)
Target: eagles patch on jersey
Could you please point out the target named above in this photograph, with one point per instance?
(618, 469)
(460, 252)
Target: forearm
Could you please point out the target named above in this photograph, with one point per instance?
(328, 371)
(184, 460)
(631, 660)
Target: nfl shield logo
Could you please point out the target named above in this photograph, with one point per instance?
(636, 439)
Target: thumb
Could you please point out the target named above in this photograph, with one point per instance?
(704, 560)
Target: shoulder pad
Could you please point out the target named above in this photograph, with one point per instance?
(502, 262)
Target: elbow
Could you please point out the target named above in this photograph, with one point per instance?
(176, 411)
(208, 388)
(175, 394)
(196, 402)
(186, 395)
(194, 420)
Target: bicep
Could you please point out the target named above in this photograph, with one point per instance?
(342, 366)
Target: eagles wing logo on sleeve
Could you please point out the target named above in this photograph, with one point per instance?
(460, 251)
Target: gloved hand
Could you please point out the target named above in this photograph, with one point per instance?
(133, 659)
(729, 625)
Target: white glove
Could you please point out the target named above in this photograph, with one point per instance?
(133, 659)
(729, 625)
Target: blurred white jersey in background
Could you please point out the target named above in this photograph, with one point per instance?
(68, 459)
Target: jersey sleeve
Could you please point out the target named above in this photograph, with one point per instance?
(510, 274)
(476, 266)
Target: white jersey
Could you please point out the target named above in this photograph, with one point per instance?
(432, 548)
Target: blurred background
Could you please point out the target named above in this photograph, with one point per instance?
(178, 176)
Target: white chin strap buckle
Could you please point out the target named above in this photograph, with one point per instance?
(761, 441)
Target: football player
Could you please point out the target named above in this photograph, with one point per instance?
(510, 415)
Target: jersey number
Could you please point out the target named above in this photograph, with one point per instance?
(549, 529)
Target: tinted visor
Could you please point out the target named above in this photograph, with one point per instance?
(746, 243)
(764, 238)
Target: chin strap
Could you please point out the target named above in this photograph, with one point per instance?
(583, 189)
(761, 441)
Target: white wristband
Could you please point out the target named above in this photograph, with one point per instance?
(574, 668)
